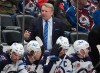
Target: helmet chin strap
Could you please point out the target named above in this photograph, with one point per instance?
(33, 59)
(82, 54)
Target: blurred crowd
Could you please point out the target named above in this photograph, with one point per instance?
(84, 13)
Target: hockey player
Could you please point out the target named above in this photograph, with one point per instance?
(58, 60)
(3, 58)
(64, 64)
(15, 64)
(33, 54)
(81, 61)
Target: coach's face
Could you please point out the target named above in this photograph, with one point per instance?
(46, 12)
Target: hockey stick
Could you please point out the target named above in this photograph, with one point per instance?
(62, 60)
(57, 67)
(39, 41)
(98, 47)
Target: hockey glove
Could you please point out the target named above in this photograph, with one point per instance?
(56, 50)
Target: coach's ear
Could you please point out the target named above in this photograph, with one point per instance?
(98, 47)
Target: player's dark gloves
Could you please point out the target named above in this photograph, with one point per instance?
(32, 72)
(56, 50)
(12, 72)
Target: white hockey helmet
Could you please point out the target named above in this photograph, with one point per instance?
(80, 44)
(17, 48)
(63, 41)
(33, 45)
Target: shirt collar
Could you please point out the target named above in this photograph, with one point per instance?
(50, 20)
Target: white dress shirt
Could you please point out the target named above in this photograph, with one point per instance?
(50, 26)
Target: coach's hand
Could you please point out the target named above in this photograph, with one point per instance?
(27, 35)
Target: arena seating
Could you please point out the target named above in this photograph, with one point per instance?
(27, 18)
(11, 36)
(7, 22)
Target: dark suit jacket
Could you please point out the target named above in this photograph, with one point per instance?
(36, 29)
(94, 40)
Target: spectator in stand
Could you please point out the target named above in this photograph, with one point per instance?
(59, 10)
(91, 6)
(40, 2)
(20, 7)
(71, 15)
(31, 7)
(85, 21)
(74, 13)
(96, 15)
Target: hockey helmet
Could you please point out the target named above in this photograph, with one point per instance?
(33, 45)
(81, 44)
(17, 48)
(63, 41)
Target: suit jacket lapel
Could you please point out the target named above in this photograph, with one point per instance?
(53, 29)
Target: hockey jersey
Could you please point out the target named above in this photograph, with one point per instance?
(31, 7)
(56, 65)
(62, 66)
(81, 64)
(18, 67)
(85, 20)
(30, 67)
(3, 60)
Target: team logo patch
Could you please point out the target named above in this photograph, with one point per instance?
(85, 20)
(59, 70)
(82, 70)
